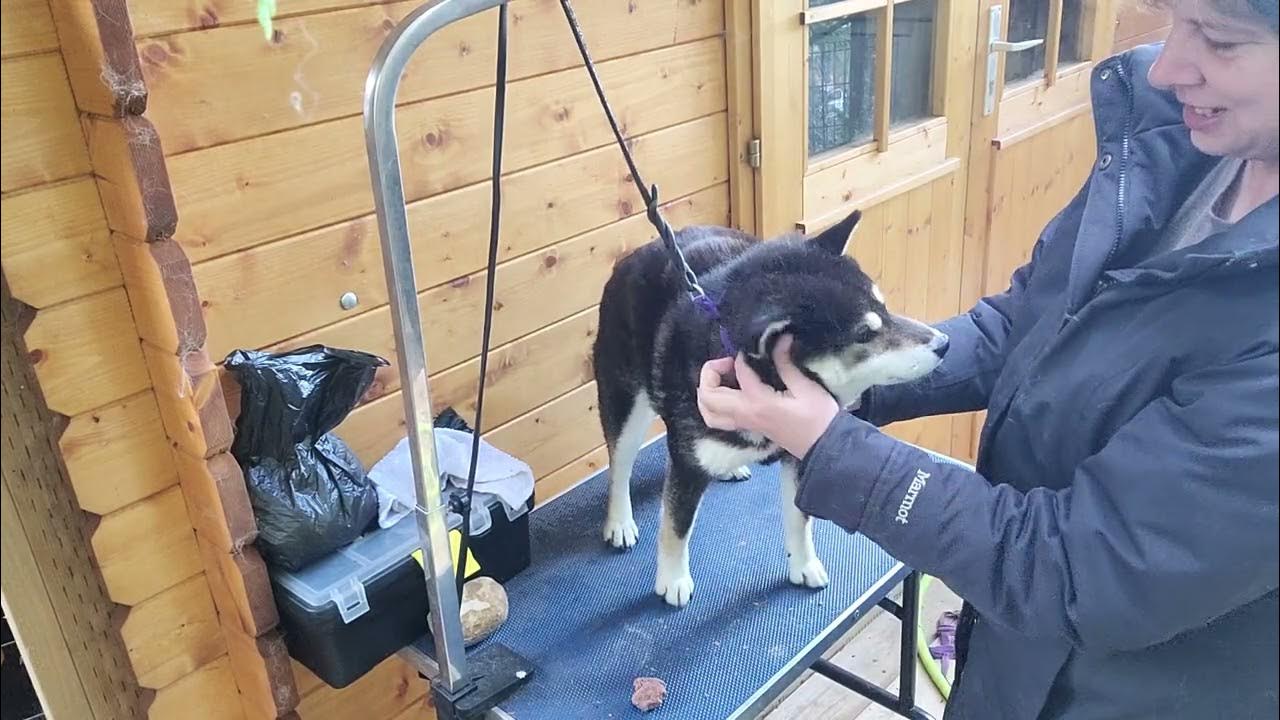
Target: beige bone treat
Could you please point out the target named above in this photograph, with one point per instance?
(483, 609)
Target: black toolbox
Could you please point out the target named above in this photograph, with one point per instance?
(345, 613)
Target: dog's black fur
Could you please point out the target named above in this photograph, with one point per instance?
(652, 343)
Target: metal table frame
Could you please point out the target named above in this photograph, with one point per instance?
(451, 671)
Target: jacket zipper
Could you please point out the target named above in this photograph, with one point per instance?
(1122, 184)
(1121, 189)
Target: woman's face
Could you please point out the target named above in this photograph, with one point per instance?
(1226, 73)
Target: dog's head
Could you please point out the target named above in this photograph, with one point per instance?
(844, 336)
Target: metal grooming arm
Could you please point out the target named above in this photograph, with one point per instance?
(454, 680)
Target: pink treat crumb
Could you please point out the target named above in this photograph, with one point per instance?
(649, 693)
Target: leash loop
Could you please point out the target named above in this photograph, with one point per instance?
(648, 194)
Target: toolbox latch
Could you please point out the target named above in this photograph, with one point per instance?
(351, 600)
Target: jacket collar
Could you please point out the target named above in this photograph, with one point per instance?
(1156, 167)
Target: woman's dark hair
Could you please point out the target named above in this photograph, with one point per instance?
(1264, 11)
(1267, 10)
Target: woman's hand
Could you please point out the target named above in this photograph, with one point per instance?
(793, 419)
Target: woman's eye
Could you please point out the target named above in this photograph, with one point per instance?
(1221, 45)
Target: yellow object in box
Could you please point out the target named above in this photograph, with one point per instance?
(455, 545)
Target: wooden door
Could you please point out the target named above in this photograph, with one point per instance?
(866, 104)
(958, 150)
(1032, 143)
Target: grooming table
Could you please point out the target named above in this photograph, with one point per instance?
(586, 615)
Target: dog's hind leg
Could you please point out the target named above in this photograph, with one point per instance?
(625, 429)
(681, 496)
(803, 565)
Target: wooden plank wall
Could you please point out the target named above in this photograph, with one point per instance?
(1137, 24)
(913, 245)
(569, 208)
(86, 217)
(271, 182)
(1032, 177)
(235, 211)
(1032, 181)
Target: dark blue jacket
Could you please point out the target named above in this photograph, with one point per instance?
(1117, 545)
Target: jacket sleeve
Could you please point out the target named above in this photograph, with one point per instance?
(1170, 525)
(980, 342)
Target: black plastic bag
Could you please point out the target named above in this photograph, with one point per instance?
(309, 491)
(451, 420)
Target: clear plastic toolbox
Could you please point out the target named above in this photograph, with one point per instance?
(348, 611)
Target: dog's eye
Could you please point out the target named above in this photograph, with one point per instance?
(866, 330)
(863, 334)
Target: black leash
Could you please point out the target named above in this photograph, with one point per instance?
(650, 195)
(700, 298)
(495, 216)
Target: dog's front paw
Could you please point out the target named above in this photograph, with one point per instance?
(742, 473)
(622, 534)
(809, 573)
(675, 591)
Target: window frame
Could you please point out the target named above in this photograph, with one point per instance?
(1054, 69)
(1059, 89)
(883, 133)
(915, 151)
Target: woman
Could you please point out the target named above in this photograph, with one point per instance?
(1117, 547)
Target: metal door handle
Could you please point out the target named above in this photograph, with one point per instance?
(995, 46)
(1005, 46)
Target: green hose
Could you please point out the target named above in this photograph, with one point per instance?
(931, 666)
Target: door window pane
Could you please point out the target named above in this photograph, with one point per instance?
(1029, 19)
(842, 72)
(1070, 50)
(912, 72)
(842, 89)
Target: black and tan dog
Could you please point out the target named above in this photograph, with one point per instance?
(653, 341)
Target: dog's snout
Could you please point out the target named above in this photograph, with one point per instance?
(939, 344)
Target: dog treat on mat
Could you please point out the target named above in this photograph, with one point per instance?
(649, 693)
(484, 608)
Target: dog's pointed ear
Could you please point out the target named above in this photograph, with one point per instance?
(835, 239)
(765, 329)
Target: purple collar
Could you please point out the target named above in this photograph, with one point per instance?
(709, 309)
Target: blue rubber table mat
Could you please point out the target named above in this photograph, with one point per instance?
(586, 616)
